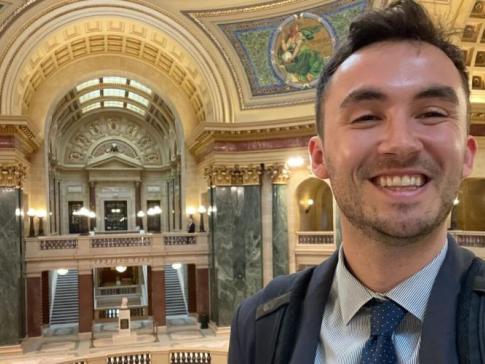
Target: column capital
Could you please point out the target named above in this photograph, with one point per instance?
(233, 175)
(279, 174)
(12, 175)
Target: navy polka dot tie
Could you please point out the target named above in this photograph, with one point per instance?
(385, 318)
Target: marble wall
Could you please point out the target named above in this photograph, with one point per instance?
(280, 230)
(236, 246)
(11, 284)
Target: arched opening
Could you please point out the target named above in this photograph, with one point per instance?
(315, 205)
(470, 204)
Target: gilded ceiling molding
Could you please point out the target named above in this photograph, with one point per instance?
(279, 174)
(12, 175)
(233, 175)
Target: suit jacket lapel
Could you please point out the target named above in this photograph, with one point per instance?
(438, 338)
(312, 312)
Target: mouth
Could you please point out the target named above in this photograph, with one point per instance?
(410, 182)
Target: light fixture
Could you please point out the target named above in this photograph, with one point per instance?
(190, 211)
(41, 214)
(177, 265)
(31, 214)
(19, 212)
(62, 271)
(92, 214)
(456, 201)
(295, 162)
(308, 205)
(120, 268)
(139, 215)
(202, 210)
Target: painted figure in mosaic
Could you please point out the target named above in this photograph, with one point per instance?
(301, 62)
(393, 139)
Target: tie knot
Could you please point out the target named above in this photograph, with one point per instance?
(385, 317)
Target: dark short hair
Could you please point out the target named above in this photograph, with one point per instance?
(402, 20)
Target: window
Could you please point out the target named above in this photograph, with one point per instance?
(135, 109)
(115, 80)
(112, 103)
(87, 84)
(140, 86)
(89, 96)
(116, 92)
(94, 105)
(135, 97)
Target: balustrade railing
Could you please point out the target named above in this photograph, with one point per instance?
(471, 239)
(117, 290)
(113, 313)
(189, 357)
(120, 242)
(138, 358)
(51, 244)
(179, 240)
(315, 237)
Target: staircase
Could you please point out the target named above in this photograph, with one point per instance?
(65, 307)
(174, 297)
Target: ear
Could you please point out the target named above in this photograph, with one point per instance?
(470, 152)
(315, 149)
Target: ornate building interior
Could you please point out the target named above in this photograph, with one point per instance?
(154, 168)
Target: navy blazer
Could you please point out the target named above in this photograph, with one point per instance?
(438, 339)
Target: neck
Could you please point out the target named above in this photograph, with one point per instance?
(380, 266)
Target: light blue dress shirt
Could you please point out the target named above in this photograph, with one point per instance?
(346, 323)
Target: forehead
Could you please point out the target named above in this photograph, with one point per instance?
(397, 68)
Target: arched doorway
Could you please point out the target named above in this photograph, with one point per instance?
(315, 205)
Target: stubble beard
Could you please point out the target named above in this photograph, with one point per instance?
(405, 224)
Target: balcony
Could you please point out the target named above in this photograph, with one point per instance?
(103, 250)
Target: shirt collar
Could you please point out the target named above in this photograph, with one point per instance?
(353, 295)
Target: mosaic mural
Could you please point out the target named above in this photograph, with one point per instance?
(286, 53)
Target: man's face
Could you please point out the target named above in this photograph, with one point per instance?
(395, 143)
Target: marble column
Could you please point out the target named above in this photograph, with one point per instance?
(192, 288)
(202, 294)
(86, 301)
(149, 290)
(12, 282)
(92, 203)
(280, 230)
(45, 297)
(267, 227)
(34, 306)
(158, 296)
(236, 247)
(138, 203)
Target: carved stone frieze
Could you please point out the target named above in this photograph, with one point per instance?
(279, 174)
(19, 129)
(236, 175)
(12, 175)
(112, 135)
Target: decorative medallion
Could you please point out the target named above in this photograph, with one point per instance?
(300, 47)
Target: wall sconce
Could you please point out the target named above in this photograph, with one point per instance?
(190, 211)
(41, 214)
(62, 271)
(308, 205)
(140, 215)
(31, 213)
(456, 201)
(295, 162)
(202, 211)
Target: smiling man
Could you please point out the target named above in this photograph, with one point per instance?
(392, 115)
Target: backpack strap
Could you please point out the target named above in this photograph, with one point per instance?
(277, 320)
(471, 315)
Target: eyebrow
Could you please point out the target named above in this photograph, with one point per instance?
(445, 93)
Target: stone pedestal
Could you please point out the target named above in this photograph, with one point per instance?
(86, 302)
(124, 335)
(34, 306)
(157, 287)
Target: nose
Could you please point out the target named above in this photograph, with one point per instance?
(400, 137)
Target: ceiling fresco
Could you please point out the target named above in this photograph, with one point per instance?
(281, 54)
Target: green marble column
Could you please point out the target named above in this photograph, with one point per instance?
(280, 230)
(236, 247)
(11, 283)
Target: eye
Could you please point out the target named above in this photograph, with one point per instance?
(365, 118)
(432, 114)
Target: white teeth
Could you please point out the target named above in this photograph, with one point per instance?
(400, 181)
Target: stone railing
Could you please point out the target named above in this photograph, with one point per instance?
(180, 356)
(315, 237)
(469, 239)
(117, 290)
(89, 252)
